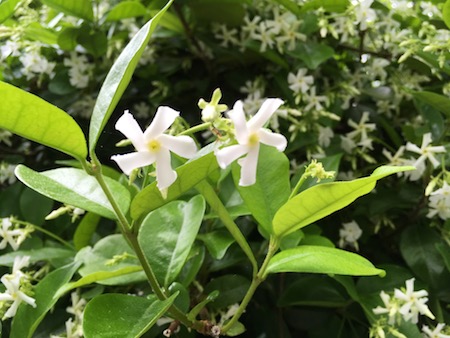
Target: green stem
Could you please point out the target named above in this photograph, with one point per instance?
(216, 204)
(195, 129)
(298, 186)
(48, 233)
(257, 280)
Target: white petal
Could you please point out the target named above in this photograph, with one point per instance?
(12, 310)
(237, 115)
(426, 140)
(248, 167)
(128, 162)
(128, 126)
(433, 160)
(163, 119)
(412, 147)
(27, 299)
(264, 114)
(273, 139)
(180, 145)
(227, 155)
(165, 175)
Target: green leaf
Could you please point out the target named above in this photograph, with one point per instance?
(336, 6)
(320, 259)
(95, 42)
(125, 10)
(31, 117)
(446, 13)
(67, 38)
(167, 234)
(217, 242)
(85, 230)
(34, 207)
(229, 12)
(79, 8)
(437, 101)
(232, 289)
(189, 175)
(312, 54)
(118, 78)
(272, 187)
(122, 316)
(99, 259)
(290, 5)
(37, 255)
(75, 187)
(7, 9)
(323, 199)
(28, 318)
(35, 31)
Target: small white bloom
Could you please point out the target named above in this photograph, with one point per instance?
(426, 151)
(325, 136)
(153, 146)
(13, 294)
(436, 333)
(390, 308)
(7, 173)
(349, 234)
(300, 82)
(364, 14)
(249, 135)
(439, 202)
(11, 237)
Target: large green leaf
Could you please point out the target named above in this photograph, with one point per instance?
(167, 234)
(446, 13)
(118, 78)
(320, 259)
(189, 175)
(122, 316)
(28, 318)
(79, 8)
(75, 187)
(125, 10)
(323, 199)
(85, 229)
(7, 9)
(37, 255)
(29, 116)
(111, 254)
(437, 101)
(232, 289)
(272, 187)
(337, 6)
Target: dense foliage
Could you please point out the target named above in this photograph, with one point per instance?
(363, 91)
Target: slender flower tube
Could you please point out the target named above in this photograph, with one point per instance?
(249, 135)
(153, 146)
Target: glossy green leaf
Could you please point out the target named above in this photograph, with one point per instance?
(189, 175)
(118, 78)
(337, 6)
(7, 9)
(122, 316)
(272, 187)
(75, 187)
(34, 207)
(183, 300)
(437, 101)
(67, 38)
(320, 259)
(217, 242)
(446, 13)
(312, 54)
(85, 229)
(323, 199)
(28, 318)
(35, 31)
(37, 255)
(125, 10)
(197, 308)
(167, 234)
(232, 289)
(110, 254)
(170, 21)
(31, 117)
(78, 8)
(192, 266)
(96, 43)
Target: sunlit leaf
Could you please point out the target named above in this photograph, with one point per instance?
(78, 8)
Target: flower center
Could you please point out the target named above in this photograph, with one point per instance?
(253, 139)
(154, 146)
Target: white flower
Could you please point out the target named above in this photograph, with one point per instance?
(363, 13)
(436, 333)
(349, 234)
(325, 136)
(249, 135)
(439, 202)
(414, 302)
(153, 146)
(361, 128)
(300, 83)
(7, 173)
(391, 307)
(426, 151)
(13, 237)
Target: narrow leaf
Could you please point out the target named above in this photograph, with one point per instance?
(118, 78)
(7, 9)
(319, 259)
(446, 13)
(323, 199)
(125, 10)
(167, 234)
(122, 316)
(31, 117)
(75, 187)
(37, 255)
(437, 101)
(79, 8)
(85, 229)
(28, 318)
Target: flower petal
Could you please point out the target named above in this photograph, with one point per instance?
(183, 146)
(163, 119)
(128, 126)
(128, 162)
(227, 155)
(264, 114)
(165, 175)
(273, 139)
(237, 115)
(248, 167)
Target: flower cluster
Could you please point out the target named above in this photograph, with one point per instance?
(74, 325)
(12, 233)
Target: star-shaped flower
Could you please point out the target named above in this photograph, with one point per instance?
(249, 135)
(426, 151)
(153, 146)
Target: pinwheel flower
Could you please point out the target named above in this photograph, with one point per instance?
(153, 146)
(249, 135)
